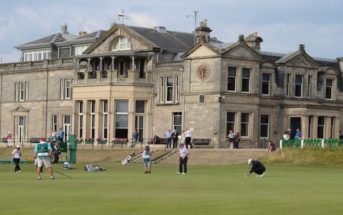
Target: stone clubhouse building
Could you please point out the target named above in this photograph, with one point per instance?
(105, 84)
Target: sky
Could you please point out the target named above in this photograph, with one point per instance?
(283, 25)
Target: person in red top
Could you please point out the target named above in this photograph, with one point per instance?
(9, 139)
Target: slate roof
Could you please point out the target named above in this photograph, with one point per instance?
(54, 38)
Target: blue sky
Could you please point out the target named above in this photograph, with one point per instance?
(283, 25)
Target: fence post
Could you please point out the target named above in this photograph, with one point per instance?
(323, 143)
(280, 144)
(302, 143)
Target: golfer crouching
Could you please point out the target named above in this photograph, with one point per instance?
(256, 167)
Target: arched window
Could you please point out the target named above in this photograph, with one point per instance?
(121, 44)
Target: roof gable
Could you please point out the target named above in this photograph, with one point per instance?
(241, 50)
(299, 58)
(202, 50)
(106, 41)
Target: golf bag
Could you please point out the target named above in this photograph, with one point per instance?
(93, 168)
(128, 159)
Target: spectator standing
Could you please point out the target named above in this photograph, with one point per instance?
(231, 137)
(42, 153)
(147, 158)
(57, 152)
(175, 138)
(188, 138)
(16, 155)
(298, 134)
(135, 137)
(183, 158)
(9, 139)
(286, 136)
(60, 135)
(271, 147)
(236, 140)
(169, 137)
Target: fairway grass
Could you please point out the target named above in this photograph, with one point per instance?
(205, 190)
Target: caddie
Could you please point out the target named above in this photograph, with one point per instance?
(42, 153)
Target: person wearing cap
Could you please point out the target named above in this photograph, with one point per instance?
(183, 158)
(16, 154)
(42, 153)
(256, 167)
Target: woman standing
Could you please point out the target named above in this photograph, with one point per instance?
(147, 157)
(16, 154)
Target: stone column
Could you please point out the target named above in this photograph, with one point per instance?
(100, 69)
(110, 120)
(98, 125)
(85, 127)
(315, 126)
(131, 118)
(305, 128)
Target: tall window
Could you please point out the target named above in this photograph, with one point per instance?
(66, 126)
(139, 119)
(244, 124)
(169, 89)
(65, 89)
(177, 121)
(231, 78)
(104, 105)
(22, 91)
(80, 119)
(265, 84)
(320, 128)
(54, 125)
(264, 126)
(298, 85)
(245, 79)
(122, 44)
(328, 89)
(92, 119)
(230, 121)
(122, 115)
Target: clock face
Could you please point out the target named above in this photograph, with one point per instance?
(203, 72)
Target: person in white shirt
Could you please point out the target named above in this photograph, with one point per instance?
(183, 158)
(231, 137)
(16, 154)
(188, 138)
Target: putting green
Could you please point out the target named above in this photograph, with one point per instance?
(205, 190)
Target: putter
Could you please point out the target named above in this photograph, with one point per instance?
(62, 174)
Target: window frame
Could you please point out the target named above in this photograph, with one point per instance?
(233, 77)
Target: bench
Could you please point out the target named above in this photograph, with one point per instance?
(201, 142)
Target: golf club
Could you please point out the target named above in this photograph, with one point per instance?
(62, 174)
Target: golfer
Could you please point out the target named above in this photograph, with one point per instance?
(256, 167)
(147, 156)
(183, 158)
(16, 154)
(43, 153)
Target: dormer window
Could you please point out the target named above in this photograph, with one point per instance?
(122, 44)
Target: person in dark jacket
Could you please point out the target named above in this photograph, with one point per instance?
(256, 167)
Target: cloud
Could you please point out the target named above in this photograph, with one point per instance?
(142, 20)
(13, 56)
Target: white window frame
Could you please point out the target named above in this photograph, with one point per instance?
(246, 78)
(123, 43)
(104, 104)
(331, 88)
(245, 124)
(66, 89)
(80, 119)
(54, 122)
(268, 82)
(235, 78)
(264, 124)
(297, 84)
(173, 89)
(21, 91)
(92, 119)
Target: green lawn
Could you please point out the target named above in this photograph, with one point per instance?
(205, 190)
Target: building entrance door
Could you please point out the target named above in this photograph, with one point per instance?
(66, 126)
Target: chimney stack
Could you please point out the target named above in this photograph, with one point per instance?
(254, 41)
(202, 33)
(82, 33)
(64, 29)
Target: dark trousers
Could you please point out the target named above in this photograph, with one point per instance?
(56, 158)
(260, 171)
(169, 142)
(188, 142)
(183, 165)
(16, 162)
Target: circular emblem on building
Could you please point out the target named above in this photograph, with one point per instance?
(203, 72)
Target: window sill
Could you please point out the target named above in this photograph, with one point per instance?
(167, 104)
